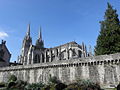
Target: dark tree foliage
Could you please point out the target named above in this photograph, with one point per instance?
(108, 41)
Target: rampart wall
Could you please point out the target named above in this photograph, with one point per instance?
(104, 69)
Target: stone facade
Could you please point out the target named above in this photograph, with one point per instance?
(37, 53)
(104, 69)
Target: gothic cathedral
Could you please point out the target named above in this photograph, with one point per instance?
(31, 54)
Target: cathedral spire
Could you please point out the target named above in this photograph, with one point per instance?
(39, 42)
(28, 30)
(40, 33)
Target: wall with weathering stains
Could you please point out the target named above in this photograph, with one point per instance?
(104, 69)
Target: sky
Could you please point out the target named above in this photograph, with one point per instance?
(62, 21)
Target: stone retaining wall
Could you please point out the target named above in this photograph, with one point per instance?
(104, 69)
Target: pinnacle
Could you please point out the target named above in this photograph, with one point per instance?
(28, 30)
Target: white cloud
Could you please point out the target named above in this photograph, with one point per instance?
(3, 35)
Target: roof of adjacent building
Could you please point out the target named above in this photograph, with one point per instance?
(4, 47)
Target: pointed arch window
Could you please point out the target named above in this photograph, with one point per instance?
(57, 51)
(73, 53)
(37, 59)
(42, 58)
(79, 53)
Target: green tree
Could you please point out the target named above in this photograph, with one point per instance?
(108, 41)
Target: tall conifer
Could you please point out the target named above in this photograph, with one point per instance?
(108, 41)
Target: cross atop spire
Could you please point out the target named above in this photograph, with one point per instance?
(28, 30)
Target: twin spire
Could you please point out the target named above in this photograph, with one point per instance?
(39, 41)
(39, 35)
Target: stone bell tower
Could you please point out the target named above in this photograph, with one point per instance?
(25, 47)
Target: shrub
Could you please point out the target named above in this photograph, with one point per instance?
(14, 84)
(73, 86)
(55, 84)
(2, 84)
(11, 84)
(60, 86)
(53, 80)
(12, 78)
(34, 86)
(21, 84)
(118, 86)
(46, 87)
(83, 85)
